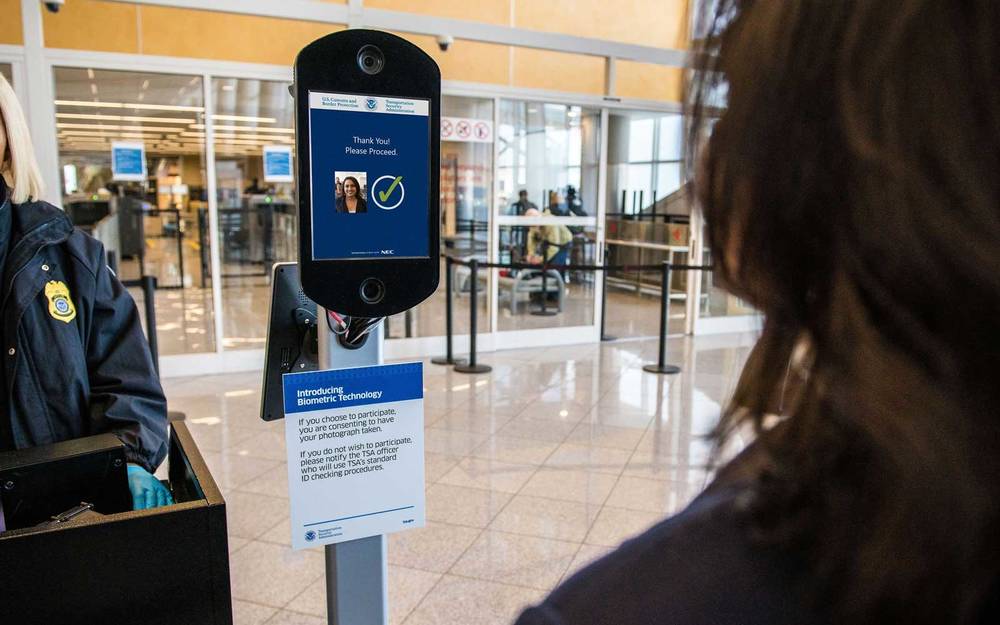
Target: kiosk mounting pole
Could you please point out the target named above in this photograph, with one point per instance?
(356, 571)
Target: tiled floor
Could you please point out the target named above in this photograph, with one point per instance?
(533, 471)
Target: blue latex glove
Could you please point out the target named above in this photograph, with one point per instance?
(147, 491)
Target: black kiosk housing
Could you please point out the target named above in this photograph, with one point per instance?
(167, 565)
(372, 64)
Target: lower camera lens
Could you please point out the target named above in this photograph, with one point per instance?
(370, 59)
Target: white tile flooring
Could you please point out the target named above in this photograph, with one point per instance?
(533, 470)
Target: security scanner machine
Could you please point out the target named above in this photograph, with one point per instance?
(76, 552)
(367, 170)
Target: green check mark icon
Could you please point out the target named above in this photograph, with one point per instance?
(384, 195)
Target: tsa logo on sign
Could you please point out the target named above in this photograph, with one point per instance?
(371, 103)
(310, 536)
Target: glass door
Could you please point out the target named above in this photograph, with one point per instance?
(648, 221)
(148, 221)
(546, 207)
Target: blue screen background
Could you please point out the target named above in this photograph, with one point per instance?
(402, 230)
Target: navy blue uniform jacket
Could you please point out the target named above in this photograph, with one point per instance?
(89, 375)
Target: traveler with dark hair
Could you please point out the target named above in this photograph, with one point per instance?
(852, 192)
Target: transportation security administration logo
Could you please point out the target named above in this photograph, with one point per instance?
(371, 103)
(60, 305)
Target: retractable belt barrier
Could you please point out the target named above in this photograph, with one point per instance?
(472, 366)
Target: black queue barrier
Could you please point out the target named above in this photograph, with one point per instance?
(472, 366)
(162, 566)
(661, 365)
(148, 286)
(665, 269)
(604, 297)
(448, 358)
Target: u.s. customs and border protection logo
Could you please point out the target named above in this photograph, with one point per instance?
(60, 305)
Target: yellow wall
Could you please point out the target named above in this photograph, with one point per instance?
(121, 27)
(11, 31)
(660, 23)
(648, 82)
(557, 71)
(489, 11)
(178, 32)
(91, 25)
(226, 37)
(470, 61)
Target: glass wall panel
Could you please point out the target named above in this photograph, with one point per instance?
(548, 168)
(466, 189)
(257, 212)
(155, 225)
(549, 152)
(647, 220)
(5, 71)
(645, 153)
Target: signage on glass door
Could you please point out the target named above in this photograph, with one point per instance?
(466, 129)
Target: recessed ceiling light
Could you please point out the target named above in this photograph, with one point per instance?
(245, 118)
(125, 118)
(129, 105)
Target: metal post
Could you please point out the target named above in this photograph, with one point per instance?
(661, 365)
(149, 303)
(543, 308)
(448, 358)
(180, 248)
(472, 366)
(357, 590)
(604, 296)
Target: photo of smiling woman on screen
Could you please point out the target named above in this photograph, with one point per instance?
(352, 200)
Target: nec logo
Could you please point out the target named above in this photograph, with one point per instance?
(371, 103)
(388, 252)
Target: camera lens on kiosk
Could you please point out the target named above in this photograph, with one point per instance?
(370, 59)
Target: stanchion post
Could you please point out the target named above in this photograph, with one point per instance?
(448, 358)
(543, 308)
(148, 297)
(472, 366)
(604, 296)
(661, 365)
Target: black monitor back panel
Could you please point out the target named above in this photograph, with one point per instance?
(291, 338)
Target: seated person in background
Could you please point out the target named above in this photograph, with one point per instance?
(547, 243)
(523, 204)
(351, 201)
(851, 189)
(76, 362)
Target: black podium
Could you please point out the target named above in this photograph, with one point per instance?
(159, 566)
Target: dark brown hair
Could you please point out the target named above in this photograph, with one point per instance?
(851, 187)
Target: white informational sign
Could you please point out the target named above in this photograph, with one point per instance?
(277, 163)
(355, 441)
(128, 161)
(465, 129)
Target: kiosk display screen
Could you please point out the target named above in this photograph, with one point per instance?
(370, 175)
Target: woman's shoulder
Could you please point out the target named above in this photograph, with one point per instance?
(700, 566)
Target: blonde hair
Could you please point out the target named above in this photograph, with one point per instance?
(17, 164)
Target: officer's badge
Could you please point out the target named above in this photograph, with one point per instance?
(60, 305)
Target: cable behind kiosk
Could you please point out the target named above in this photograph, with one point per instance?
(367, 113)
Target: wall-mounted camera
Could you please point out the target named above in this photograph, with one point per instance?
(53, 5)
(445, 41)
